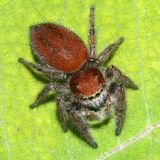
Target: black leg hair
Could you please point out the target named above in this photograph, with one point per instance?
(62, 113)
(92, 36)
(81, 126)
(115, 75)
(119, 104)
(107, 52)
(50, 72)
(41, 96)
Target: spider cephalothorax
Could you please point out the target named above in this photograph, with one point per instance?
(84, 91)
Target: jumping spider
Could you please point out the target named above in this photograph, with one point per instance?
(84, 90)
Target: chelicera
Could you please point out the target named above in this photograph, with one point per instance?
(84, 90)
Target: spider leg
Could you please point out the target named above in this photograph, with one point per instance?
(81, 126)
(92, 46)
(116, 75)
(43, 93)
(107, 52)
(50, 72)
(62, 113)
(104, 113)
(119, 99)
(92, 115)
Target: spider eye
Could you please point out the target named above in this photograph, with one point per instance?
(112, 88)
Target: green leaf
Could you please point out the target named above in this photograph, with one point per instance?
(36, 134)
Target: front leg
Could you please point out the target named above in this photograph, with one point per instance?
(114, 75)
(119, 104)
(81, 126)
(62, 113)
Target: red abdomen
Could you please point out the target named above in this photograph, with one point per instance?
(87, 82)
(58, 47)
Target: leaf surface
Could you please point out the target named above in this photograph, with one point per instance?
(36, 134)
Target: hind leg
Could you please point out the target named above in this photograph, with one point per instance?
(50, 72)
(92, 45)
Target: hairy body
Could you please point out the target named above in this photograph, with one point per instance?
(84, 90)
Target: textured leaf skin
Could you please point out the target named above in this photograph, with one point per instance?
(36, 134)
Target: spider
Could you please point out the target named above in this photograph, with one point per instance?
(85, 91)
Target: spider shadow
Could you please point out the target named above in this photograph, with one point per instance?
(100, 124)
